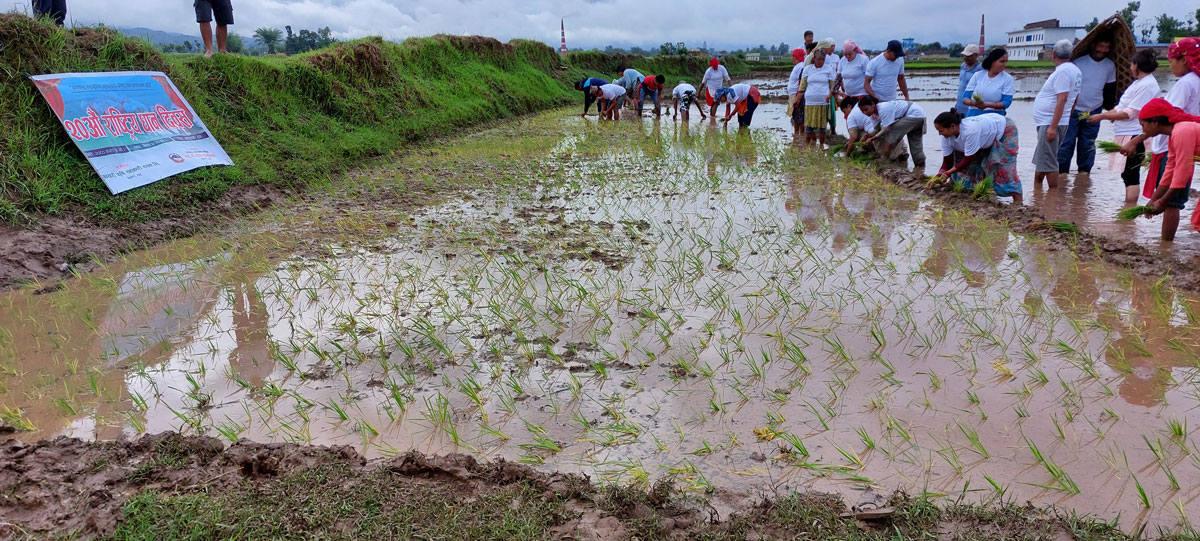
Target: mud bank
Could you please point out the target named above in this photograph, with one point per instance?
(1084, 245)
(169, 485)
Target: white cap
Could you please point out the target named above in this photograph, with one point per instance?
(970, 50)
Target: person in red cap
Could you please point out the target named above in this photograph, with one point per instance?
(715, 78)
(1159, 118)
(795, 102)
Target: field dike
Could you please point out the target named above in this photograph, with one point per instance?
(293, 126)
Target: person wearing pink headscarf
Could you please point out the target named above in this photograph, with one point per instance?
(795, 109)
(852, 70)
(1159, 118)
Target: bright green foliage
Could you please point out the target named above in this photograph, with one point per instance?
(292, 121)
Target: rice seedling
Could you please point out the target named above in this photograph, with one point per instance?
(973, 438)
(1132, 213)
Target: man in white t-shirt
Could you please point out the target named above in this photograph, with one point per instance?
(613, 95)
(1051, 110)
(1097, 92)
(885, 73)
(682, 98)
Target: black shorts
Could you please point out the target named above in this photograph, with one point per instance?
(206, 10)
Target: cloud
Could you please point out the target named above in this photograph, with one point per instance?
(596, 23)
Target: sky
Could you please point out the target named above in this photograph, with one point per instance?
(622, 23)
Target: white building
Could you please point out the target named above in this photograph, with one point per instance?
(752, 57)
(1031, 42)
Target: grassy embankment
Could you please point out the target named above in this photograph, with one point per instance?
(295, 122)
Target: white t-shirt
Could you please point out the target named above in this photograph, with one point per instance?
(681, 88)
(741, 91)
(714, 79)
(819, 79)
(1134, 98)
(794, 79)
(991, 89)
(1065, 79)
(860, 120)
(611, 91)
(974, 133)
(1095, 76)
(891, 111)
(1184, 95)
(885, 75)
(854, 74)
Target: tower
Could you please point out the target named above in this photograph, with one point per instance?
(981, 32)
(563, 27)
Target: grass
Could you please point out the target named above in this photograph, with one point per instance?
(293, 122)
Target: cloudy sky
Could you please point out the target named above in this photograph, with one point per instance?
(596, 23)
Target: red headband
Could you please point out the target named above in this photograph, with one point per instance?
(714, 63)
(798, 54)
(1159, 107)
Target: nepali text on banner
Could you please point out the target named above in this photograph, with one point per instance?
(133, 126)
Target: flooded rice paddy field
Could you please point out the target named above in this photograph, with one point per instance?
(644, 300)
(1092, 201)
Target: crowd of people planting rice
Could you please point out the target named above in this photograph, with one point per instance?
(410, 290)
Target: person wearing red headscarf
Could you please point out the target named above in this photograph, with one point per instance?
(715, 78)
(1159, 117)
(1184, 94)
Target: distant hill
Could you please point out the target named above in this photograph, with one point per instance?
(158, 37)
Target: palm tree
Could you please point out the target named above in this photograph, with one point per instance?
(269, 37)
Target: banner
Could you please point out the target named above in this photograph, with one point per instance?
(133, 126)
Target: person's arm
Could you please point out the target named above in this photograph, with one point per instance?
(1052, 130)
(725, 78)
(674, 106)
(1004, 103)
(903, 86)
(867, 86)
(1110, 95)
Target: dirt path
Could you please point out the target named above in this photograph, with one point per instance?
(170, 485)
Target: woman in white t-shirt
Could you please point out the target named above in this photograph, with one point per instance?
(1125, 120)
(991, 89)
(852, 70)
(988, 144)
(715, 78)
(816, 83)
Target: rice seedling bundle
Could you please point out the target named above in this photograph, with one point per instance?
(1108, 147)
(983, 187)
(1132, 212)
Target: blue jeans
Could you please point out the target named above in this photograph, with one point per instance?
(652, 94)
(1080, 135)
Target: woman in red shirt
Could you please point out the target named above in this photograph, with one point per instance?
(1159, 117)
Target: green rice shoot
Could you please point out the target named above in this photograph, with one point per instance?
(1131, 213)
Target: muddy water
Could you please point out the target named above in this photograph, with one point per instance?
(1088, 200)
(654, 301)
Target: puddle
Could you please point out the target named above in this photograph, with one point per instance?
(650, 302)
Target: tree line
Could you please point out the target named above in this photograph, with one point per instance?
(1161, 29)
(273, 40)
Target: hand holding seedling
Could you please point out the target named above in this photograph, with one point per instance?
(1130, 147)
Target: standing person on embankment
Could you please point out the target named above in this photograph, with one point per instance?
(885, 73)
(206, 11)
(55, 9)
(1097, 92)
(1050, 107)
(898, 119)
(1184, 58)
(715, 78)
(1125, 121)
(969, 68)
(613, 96)
(586, 86)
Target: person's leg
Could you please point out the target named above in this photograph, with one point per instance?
(222, 36)
(641, 99)
(1132, 174)
(204, 16)
(1170, 223)
(1086, 155)
(1066, 147)
(1045, 159)
(821, 138)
